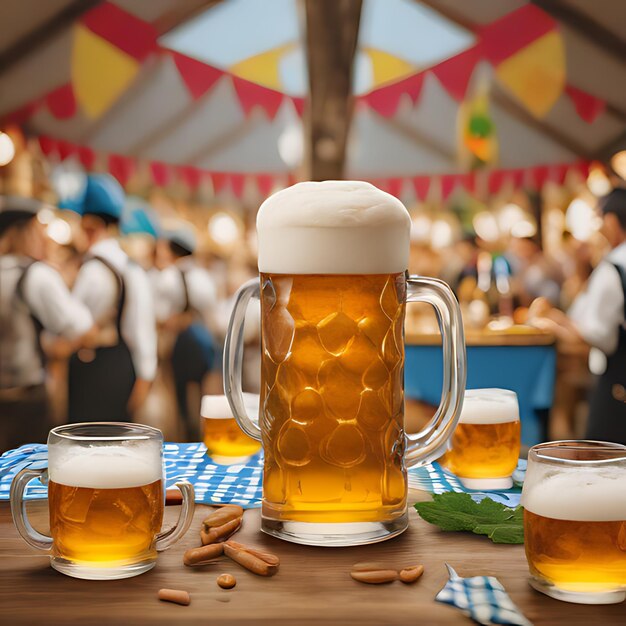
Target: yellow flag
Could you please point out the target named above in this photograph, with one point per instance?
(387, 67)
(536, 74)
(263, 68)
(100, 71)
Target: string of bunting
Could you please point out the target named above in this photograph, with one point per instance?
(110, 45)
(163, 174)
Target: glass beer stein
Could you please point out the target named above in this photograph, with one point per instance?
(575, 520)
(105, 500)
(485, 447)
(333, 288)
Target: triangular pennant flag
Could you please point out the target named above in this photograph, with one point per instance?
(421, 184)
(121, 167)
(387, 67)
(87, 157)
(587, 106)
(455, 73)
(263, 68)
(237, 182)
(198, 77)
(448, 185)
(265, 182)
(251, 95)
(61, 102)
(219, 180)
(496, 178)
(48, 145)
(160, 173)
(298, 104)
(190, 175)
(540, 175)
(386, 99)
(65, 149)
(394, 186)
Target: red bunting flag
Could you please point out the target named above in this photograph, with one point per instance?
(455, 73)
(48, 146)
(198, 77)
(252, 95)
(219, 180)
(160, 173)
(237, 182)
(587, 106)
(121, 167)
(265, 182)
(386, 99)
(421, 184)
(61, 102)
(86, 156)
(65, 149)
(540, 176)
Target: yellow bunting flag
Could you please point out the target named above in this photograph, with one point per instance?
(387, 68)
(100, 71)
(263, 68)
(536, 74)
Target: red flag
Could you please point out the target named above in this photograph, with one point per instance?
(496, 178)
(160, 173)
(199, 77)
(587, 106)
(421, 184)
(448, 184)
(540, 175)
(298, 104)
(218, 179)
(87, 157)
(121, 167)
(61, 102)
(455, 73)
(251, 95)
(47, 145)
(190, 176)
(265, 182)
(65, 149)
(386, 99)
(237, 182)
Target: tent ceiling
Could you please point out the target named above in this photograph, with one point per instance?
(157, 119)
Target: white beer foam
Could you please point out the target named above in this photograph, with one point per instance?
(217, 407)
(576, 494)
(489, 406)
(333, 227)
(105, 467)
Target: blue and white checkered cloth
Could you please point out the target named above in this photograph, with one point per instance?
(483, 598)
(435, 479)
(213, 483)
(223, 484)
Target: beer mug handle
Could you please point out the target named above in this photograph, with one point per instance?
(431, 442)
(233, 359)
(18, 510)
(168, 538)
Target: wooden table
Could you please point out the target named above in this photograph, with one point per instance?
(313, 585)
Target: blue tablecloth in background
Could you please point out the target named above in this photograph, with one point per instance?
(529, 371)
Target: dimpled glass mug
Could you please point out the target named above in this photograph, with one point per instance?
(106, 500)
(333, 287)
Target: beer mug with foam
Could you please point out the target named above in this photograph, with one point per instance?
(333, 260)
(575, 520)
(485, 447)
(105, 500)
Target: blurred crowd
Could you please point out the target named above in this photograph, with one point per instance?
(120, 327)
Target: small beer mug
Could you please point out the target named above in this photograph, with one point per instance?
(222, 435)
(575, 520)
(105, 498)
(485, 447)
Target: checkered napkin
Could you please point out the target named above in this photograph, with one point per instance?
(435, 479)
(482, 598)
(213, 483)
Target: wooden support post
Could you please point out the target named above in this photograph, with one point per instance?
(331, 39)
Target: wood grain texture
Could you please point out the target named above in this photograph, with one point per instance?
(312, 587)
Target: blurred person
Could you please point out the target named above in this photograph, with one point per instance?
(185, 305)
(598, 317)
(110, 382)
(33, 298)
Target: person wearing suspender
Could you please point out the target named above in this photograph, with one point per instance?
(33, 299)
(111, 381)
(186, 300)
(598, 317)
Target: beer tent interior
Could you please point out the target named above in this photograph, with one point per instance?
(198, 89)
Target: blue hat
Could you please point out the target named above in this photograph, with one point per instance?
(104, 196)
(139, 220)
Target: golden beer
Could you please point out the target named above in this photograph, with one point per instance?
(333, 399)
(575, 521)
(222, 435)
(105, 525)
(486, 441)
(576, 555)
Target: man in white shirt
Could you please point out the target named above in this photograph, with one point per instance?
(598, 317)
(33, 298)
(111, 382)
(186, 300)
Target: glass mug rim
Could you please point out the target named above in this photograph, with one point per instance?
(562, 452)
(118, 431)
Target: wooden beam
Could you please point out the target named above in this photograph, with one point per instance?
(452, 14)
(225, 139)
(407, 131)
(506, 103)
(182, 11)
(332, 29)
(586, 25)
(44, 33)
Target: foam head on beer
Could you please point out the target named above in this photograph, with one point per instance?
(489, 406)
(108, 466)
(333, 227)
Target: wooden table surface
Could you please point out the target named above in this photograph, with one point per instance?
(522, 337)
(312, 587)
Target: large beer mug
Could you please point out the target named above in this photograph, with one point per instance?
(574, 502)
(106, 500)
(333, 286)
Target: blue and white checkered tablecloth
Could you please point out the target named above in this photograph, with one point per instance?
(240, 483)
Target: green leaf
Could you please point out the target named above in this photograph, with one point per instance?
(457, 511)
